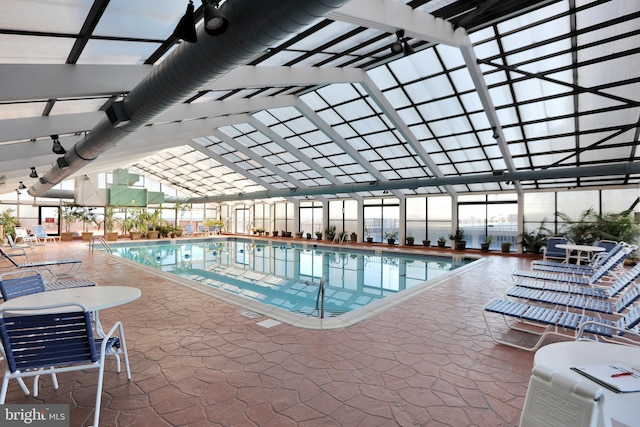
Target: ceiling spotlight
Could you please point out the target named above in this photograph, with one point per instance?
(186, 28)
(401, 45)
(57, 147)
(22, 186)
(214, 22)
(62, 163)
(33, 173)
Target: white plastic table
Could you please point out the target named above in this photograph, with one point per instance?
(624, 408)
(95, 298)
(583, 252)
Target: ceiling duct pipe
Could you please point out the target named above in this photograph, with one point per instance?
(254, 26)
(586, 171)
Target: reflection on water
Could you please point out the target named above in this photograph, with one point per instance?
(288, 276)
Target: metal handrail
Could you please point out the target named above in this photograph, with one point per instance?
(320, 297)
(102, 241)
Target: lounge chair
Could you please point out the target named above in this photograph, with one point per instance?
(17, 283)
(580, 278)
(610, 291)
(559, 267)
(580, 302)
(24, 248)
(32, 340)
(551, 251)
(40, 233)
(23, 236)
(73, 265)
(188, 231)
(545, 321)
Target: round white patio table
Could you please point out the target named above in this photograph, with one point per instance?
(624, 408)
(95, 298)
(587, 250)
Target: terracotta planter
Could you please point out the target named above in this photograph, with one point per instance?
(112, 236)
(66, 236)
(86, 236)
(154, 234)
(135, 235)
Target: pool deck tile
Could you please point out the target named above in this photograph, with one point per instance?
(196, 360)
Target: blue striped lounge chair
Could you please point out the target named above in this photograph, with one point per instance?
(580, 278)
(541, 322)
(611, 291)
(551, 251)
(562, 267)
(73, 265)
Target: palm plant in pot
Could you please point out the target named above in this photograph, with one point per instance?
(8, 223)
(88, 218)
(110, 223)
(70, 215)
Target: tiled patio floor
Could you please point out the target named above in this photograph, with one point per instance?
(197, 361)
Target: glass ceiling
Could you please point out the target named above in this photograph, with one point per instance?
(543, 87)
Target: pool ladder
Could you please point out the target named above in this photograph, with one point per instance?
(320, 297)
(100, 239)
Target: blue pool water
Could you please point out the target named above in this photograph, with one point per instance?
(288, 276)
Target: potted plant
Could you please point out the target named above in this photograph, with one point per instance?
(299, 234)
(410, 239)
(368, 235)
(110, 223)
(391, 237)
(442, 241)
(8, 223)
(154, 222)
(506, 247)
(70, 215)
(426, 243)
(331, 232)
(319, 235)
(134, 224)
(354, 237)
(458, 239)
(484, 246)
(533, 241)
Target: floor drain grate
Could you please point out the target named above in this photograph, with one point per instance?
(249, 314)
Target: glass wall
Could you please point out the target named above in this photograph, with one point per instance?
(261, 216)
(381, 216)
(283, 219)
(311, 217)
(439, 218)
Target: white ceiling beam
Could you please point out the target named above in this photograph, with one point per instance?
(54, 81)
(391, 15)
(62, 81)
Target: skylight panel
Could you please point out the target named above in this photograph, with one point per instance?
(145, 19)
(21, 110)
(48, 17)
(338, 93)
(77, 106)
(353, 110)
(367, 126)
(426, 90)
(33, 50)
(116, 52)
(398, 98)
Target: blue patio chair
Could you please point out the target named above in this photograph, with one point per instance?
(598, 259)
(15, 284)
(188, 231)
(73, 265)
(40, 233)
(551, 251)
(57, 338)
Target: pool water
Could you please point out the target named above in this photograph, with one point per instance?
(289, 276)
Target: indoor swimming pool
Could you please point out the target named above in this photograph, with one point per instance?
(290, 276)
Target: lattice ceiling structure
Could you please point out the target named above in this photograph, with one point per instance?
(508, 95)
